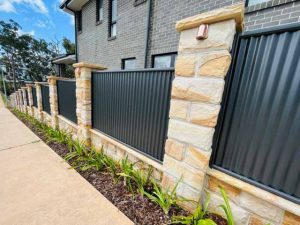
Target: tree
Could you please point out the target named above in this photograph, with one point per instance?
(68, 46)
(24, 52)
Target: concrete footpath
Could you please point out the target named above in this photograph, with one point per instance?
(38, 188)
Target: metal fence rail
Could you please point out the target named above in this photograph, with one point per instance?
(258, 135)
(66, 90)
(133, 107)
(46, 98)
(34, 98)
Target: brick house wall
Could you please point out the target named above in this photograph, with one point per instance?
(94, 46)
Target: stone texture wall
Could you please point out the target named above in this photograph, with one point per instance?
(67, 125)
(30, 99)
(52, 81)
(195, 101)
(39, 114)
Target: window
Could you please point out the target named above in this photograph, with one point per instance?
(79, 20)
(113, 18)
(99, 10)
(164, 60)
(254, 2)
(128, 64)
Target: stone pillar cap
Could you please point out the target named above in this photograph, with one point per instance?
(89, 65)
(235, 12)
(59, 78)
(38, 82)
(23, 87)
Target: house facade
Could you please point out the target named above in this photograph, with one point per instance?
(140, 33)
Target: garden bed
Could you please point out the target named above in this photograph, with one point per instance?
(140, 209)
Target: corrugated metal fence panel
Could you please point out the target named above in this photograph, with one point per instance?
(34, 98)
(260, 130)
(46, 98)
(66, 90)
(133, 107)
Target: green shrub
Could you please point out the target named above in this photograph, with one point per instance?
(142, 180)
(197, 218)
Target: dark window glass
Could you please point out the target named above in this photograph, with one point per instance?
(164, 60)
(113, 18)
(79, 20)
(254, 2)
(99, 10)
(128, 64)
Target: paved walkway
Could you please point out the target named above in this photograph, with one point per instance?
(38, 188)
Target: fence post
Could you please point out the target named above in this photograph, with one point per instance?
(196, 96)
(20, 100)
(83, 74)
(30, 98)
(39, 100)
(52, 80)
(25, 101)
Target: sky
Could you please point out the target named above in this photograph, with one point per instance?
(40, 18)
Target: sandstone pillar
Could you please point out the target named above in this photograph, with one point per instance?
(52, 80)
(30, 99)
(39, 101)
(25, 101)
(83, 73)
(196, 97)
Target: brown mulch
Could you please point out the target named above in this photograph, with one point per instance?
(141, 210)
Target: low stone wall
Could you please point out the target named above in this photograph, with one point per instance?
(119, 151)
(36, 113)
(67, 125)
(46, 118)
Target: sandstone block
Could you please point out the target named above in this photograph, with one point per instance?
(254, 220)
(260, 207)
(220, 36)
(240, 215)
(190, 176)
(204, 114)
(214, 64)
(197, 158)
(188, 133)
(231, 191)
(175, 149)
(179, 109)
(198, 89)
(290, 219)
(185, 65)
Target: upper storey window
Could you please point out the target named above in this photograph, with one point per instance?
(113, 18)
(254, 2)
(99, 10)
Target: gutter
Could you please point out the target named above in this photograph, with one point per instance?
(65, 5)
(148, 32)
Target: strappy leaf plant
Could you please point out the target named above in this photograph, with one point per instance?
(226, 207)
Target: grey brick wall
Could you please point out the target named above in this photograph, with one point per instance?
(94, 46)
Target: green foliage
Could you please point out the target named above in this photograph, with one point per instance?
(226, 207)
(68, 46)
(127, 173)
(111, 166)
(142, 179)
(197, 218)
(164, 199)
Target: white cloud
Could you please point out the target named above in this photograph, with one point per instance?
(72, 19)
(31, 33)
(36, 5)
(47, 23)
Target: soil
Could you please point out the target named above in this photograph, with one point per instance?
(141, 210)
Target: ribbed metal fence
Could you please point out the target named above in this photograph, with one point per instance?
(258, 135)
(133, 107)
(46, 98)
(66, 90)
(34, 98)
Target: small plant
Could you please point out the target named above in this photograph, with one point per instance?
(111, 166)
(163, 198)
(142, 180)
(78, 150)
(93, 160)
(127, 173)
(197, 218)
(226, 207)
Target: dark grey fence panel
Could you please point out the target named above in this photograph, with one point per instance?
(46, 98)
(66, 90)
(34, 98)
(133, 107)
(258, 137)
